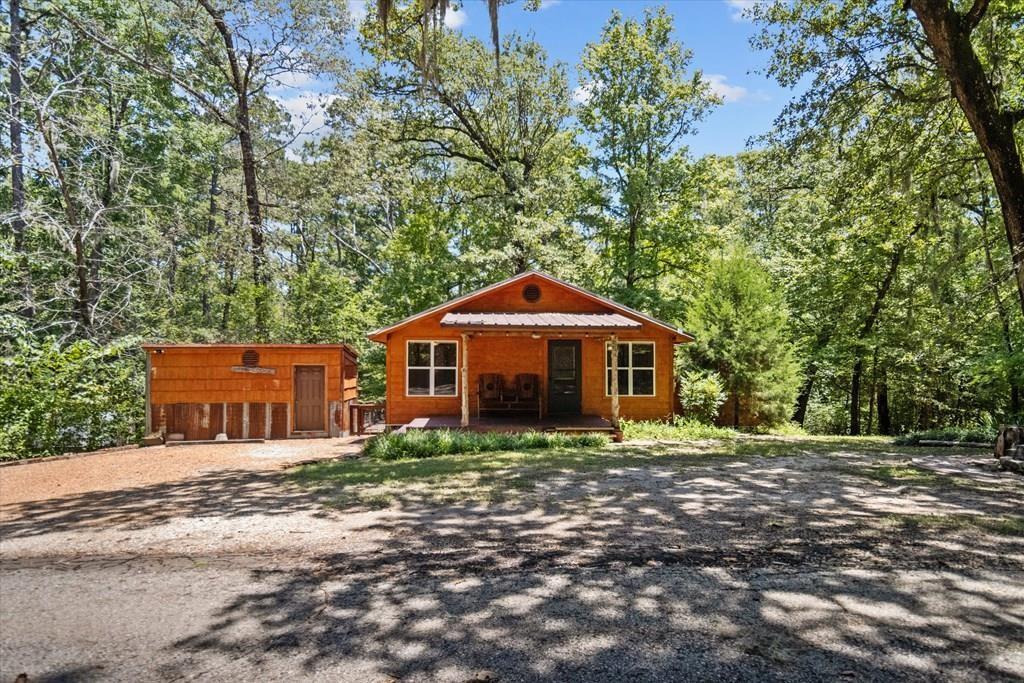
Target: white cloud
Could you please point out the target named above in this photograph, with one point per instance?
(738, 7)
(581, 94)
(544, 4)
(455, 18)
(728, 93)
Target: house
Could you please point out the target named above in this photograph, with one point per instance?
(271, 391)
(531, 350)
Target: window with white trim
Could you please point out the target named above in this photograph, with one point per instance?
(636, 369)
(431, 368)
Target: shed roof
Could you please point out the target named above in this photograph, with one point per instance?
(548, 320)
(312, 347)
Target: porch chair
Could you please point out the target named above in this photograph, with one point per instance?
(489, 392)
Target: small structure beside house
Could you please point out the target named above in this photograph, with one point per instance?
(530, 352)
(250, 391)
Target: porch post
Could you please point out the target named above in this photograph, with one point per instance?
(465, 380)
(615, 380)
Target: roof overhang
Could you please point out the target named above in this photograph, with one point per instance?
(536, 321)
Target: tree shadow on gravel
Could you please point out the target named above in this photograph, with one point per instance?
(225, 494)
(761, 573)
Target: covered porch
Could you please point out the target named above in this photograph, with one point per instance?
(536, 371)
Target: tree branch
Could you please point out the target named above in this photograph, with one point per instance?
(975, 14)
(182, 83)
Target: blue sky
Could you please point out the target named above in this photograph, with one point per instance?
(714, 30)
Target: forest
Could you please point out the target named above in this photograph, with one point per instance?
(857, 269)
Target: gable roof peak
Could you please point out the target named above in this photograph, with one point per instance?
(380, 335)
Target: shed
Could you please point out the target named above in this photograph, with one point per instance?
(270, 391)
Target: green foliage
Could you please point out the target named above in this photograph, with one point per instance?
(434, 442)
(868, 205)
(82, 396)
(323, 307)
(641, 100)
(742, 331)
(701, 394)
(677, 429)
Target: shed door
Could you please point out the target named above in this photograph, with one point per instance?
(309, 398)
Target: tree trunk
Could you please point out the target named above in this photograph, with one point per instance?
(884, 420)
(869, 326)
(949, 35)
(858, 371)
(1004, 318)
(18, 224)
(211, 229)
(632, 238)
(240, 85)
(871, 391)
(82, 293)
(804, 397)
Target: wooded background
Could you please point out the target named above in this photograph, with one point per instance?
(859, 270)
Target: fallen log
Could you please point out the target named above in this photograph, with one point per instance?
(953, 444)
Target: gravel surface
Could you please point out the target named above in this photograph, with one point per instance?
(786, 568)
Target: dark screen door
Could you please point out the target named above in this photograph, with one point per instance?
(309, 398)
(564, 377)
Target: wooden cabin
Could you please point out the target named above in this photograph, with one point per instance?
(270, 391)
(531, 351)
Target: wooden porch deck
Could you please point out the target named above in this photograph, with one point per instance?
(515, 423)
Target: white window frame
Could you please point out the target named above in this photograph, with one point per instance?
(431, 368)
(628, 391)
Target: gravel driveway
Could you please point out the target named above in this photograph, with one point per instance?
(751, 568)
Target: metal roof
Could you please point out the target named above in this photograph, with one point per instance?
(545, 320)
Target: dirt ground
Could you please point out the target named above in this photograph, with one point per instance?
(799, 563)
(121, 469)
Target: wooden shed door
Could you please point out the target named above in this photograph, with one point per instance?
(309, 398)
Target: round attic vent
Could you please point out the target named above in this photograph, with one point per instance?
(531, 293)
(250, 358)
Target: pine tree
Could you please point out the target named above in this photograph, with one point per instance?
(742, 329)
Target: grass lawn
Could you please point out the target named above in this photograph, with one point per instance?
(498, 476)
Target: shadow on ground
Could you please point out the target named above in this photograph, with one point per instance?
(753, 571)
(756, 569)
(221, 494)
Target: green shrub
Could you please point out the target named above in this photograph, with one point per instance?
(976, 434)
(782, 429)
(679, 428)
(701, 394)
(432, 442)
(78, 397)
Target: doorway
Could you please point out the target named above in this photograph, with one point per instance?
(564, 377)
(309, 398)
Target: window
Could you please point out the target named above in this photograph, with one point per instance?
(636, 369)
(431, 368)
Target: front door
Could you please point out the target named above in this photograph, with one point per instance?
(564, 377)
(309, 398)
